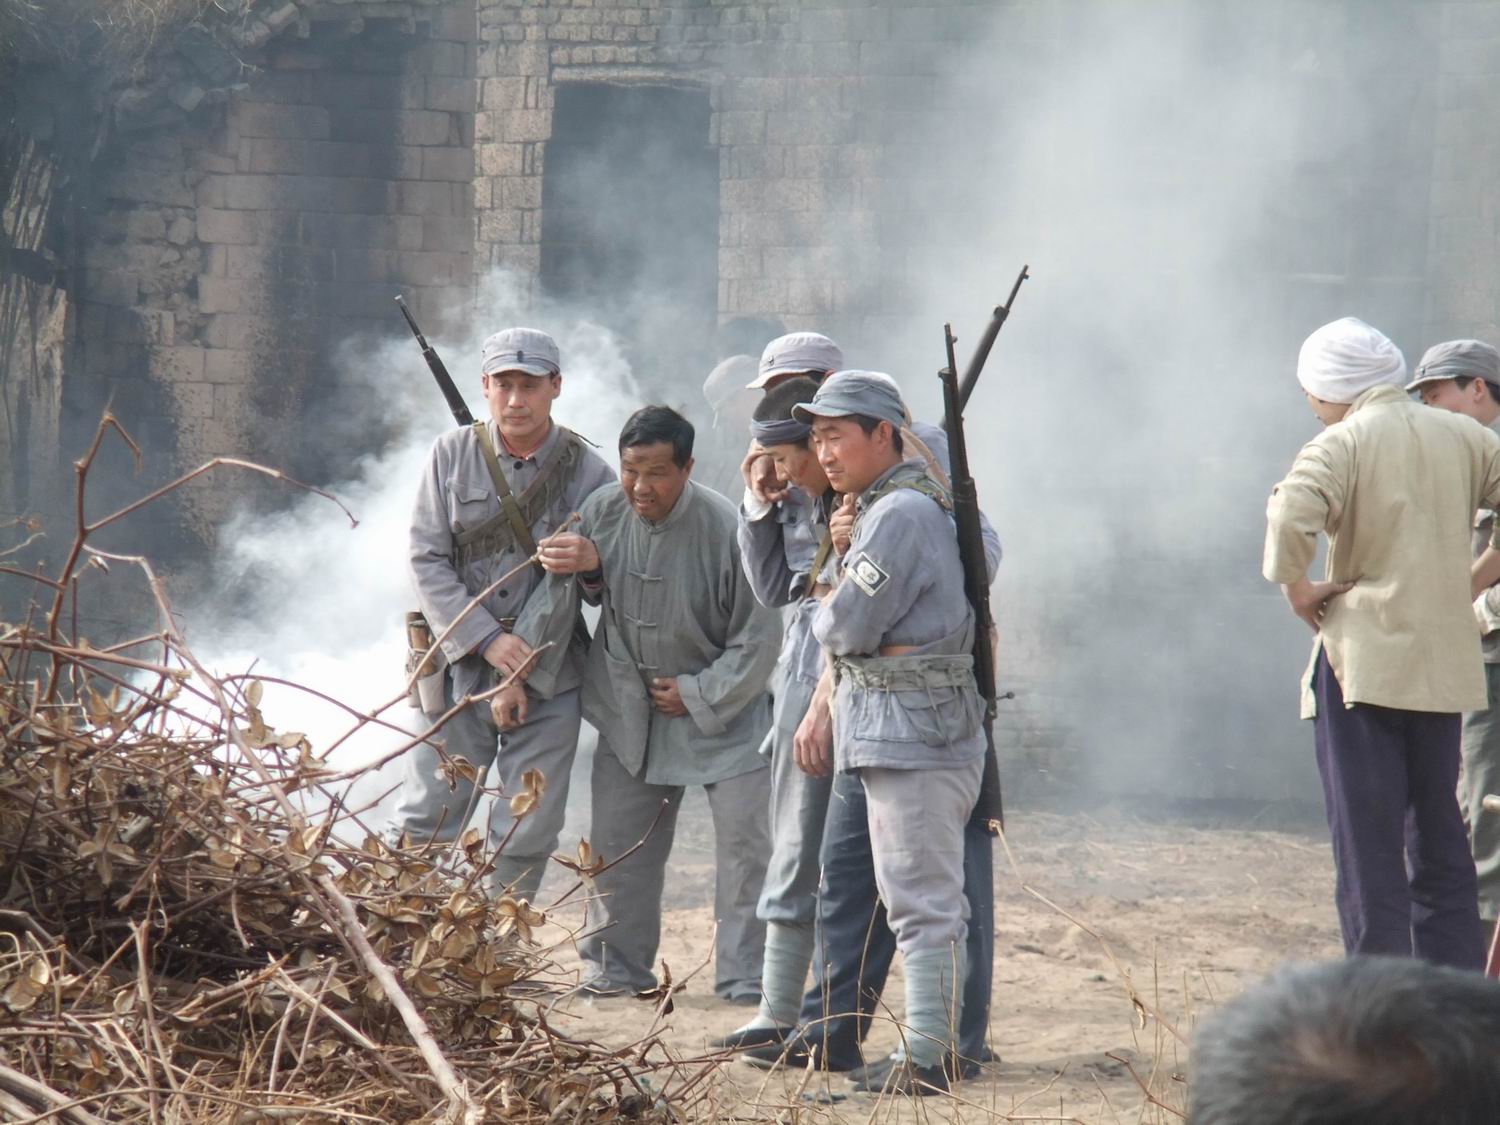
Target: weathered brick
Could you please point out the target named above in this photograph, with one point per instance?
(520, 192)
(177, 364)
(403, 127)
(450, 95)
(739, 127)
(218, 295)
(151, 183)
(500, 159)
(500, 226)
(810, 128)
(259, 154)
(235, 330)
(504, 93)
(448, 234)
(193, 400)
(111, 287)
(307, 122)
(454, 164)
(427, 199)
(523, 125)
(226, 365)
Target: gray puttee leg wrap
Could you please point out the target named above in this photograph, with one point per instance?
(783, 975)
(934, 992)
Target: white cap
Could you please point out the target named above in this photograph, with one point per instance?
(795, 353)
(528, 350)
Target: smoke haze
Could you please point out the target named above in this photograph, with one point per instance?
(1196, 186)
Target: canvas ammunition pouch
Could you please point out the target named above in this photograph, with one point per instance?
(424, 669)
(511, 526)
(933, 700)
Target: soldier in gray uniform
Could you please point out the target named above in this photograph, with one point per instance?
(784, 576)
(906, 709)
(489, 493)
(1464, 376)
(676, 684)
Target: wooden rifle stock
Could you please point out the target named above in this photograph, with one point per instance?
(989, 810)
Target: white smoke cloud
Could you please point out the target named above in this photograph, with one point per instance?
(321, 604)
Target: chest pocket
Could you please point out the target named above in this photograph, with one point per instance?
(469, 505)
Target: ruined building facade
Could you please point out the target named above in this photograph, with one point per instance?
(244, 223)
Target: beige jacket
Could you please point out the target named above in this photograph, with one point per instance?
(1395, 486)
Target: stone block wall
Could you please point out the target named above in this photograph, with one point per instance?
(230, 260)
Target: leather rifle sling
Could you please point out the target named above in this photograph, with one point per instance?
(508, 503)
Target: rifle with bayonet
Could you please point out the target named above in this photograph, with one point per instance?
(416, 623)
(989, 810)
(445, 382)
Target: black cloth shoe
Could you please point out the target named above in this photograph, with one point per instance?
(793, 1053)
(961, 1068)
(747, 1037)
(905, 1080)
(873, 1072)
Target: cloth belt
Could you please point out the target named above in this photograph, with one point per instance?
(906, 673)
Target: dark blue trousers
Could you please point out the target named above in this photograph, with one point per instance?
(1406, 883)
(854, 948)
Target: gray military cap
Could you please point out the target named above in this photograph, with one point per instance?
(871, 393)
(1455, 358)
(795, 353)
(529, 350)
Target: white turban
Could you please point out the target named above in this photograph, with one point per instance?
(1342, 360)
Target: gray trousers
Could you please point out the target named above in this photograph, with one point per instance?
(917, 820)
(624, 918)
(428, 810)
(1480, 777)
(799, 806)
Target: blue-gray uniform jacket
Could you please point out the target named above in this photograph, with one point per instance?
(456, 495)
(779, 546)
(902, 586)
(675, 603)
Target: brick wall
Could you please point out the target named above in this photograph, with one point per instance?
(231, 259)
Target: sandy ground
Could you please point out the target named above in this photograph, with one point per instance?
(1192, 913)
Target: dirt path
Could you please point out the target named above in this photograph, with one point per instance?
(1190, 914)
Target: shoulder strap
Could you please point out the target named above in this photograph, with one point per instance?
(508, 504)
(820, 557)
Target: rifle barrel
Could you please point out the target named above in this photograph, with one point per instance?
(455, 400)
(987, 341)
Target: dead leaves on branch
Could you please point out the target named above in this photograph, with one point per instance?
(180, 942)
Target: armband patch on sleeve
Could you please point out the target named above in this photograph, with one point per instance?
(866, 573)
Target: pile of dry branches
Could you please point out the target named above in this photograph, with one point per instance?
(182, 938)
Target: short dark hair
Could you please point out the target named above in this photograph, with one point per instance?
(652, 424)
(776, 404)
(1367, 1041)
(868, 424)
(1463, 381)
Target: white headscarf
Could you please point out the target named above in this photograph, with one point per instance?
(1342, 360)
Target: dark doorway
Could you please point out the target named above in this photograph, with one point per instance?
(630, 223)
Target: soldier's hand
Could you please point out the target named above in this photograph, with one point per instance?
(666, 698)
(841, 524)
(1310, 600)
(759, 471)
(812, 745)
(508, 708)
(508, 653)
(566, 553)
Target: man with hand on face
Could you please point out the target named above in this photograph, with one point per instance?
(489, 494)
(854, 947)
(676, 684)
(1396, 654)
(899, 633)
(799, 800)
(1464, 376)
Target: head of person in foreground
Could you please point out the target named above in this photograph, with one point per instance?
(1365, 1041)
